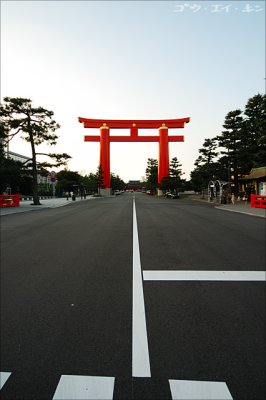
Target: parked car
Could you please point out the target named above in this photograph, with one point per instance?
(170, 195)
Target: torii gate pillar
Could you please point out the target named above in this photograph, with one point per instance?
(105, 159)
(163, 162)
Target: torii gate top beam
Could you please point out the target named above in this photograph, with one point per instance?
(129, 123)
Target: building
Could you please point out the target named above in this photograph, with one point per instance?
(134, 185)
(41, 178)
(18, 157)
(256, 180)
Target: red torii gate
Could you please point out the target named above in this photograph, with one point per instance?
(106, 124)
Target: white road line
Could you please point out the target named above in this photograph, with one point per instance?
(140, 350)
(199, 390)
(77, 387)
(3, 378)
(204, 275)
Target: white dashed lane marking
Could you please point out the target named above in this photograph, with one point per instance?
(199, 390)
(204, 275)
(77, 387)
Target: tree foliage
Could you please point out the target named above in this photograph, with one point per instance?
(167, 184)
(100, 177)
(207, 152)
(117, 183)
(240, 146)
(90, 181)
(10, 174)
(175, 173)
(173, 182)
(231, 140)
(36, 126)
(67, 180)
(254, 129)
(152, 174)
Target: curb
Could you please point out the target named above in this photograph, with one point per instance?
(241, 212)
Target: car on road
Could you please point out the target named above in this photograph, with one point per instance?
(149, 192)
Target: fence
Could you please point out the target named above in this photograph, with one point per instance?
(9, 200)
(257, 201)
(27, 198)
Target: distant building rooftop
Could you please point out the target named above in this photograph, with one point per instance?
(134, 185)
(134, 182)
(17, 157)
(256, 173)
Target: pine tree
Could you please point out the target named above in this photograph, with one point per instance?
(207, 153)
(100, 177)
(36, 126)
(175, 173)
(254, 132)
(231, 141)
(152, 173)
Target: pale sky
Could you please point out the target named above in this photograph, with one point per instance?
(132, 59)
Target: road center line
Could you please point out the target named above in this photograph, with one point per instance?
(140, 350)
(204, 275)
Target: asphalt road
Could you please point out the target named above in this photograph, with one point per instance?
(68, 307)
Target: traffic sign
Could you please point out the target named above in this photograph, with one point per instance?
(52, 176)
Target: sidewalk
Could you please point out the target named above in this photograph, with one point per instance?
(243, 208)
(26, 205)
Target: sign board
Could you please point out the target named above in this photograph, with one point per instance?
(52, 177)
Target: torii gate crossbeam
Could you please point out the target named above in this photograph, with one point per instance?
(163, 139)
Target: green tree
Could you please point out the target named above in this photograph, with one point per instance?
(100, 177)
(242, 143)
(206, 168)
(174, 169)
(254, 137)
(167, 184)
(67, 180)
(117, 183)
(10, 174)
(203, 174)
(36, 126)
(91, 182)
(3, 136)
(230, 139)
(152, 174)
(207, 152)
(175, 173)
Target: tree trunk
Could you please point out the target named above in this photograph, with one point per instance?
(235, 167)
(36, 200)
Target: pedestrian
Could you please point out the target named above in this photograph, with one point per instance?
(224, 196)
(248, 193)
